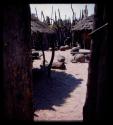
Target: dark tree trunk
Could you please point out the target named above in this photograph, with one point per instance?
(42, 47)
(17, 63)
(98, 102)
(52, 57)
(72, 39)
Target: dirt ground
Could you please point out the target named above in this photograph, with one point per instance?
(61, 97)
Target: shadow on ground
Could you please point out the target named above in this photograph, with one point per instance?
(52, 91)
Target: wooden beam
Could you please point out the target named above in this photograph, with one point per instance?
(98, 29)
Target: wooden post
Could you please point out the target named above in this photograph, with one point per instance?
(36, 13)
(42, 47)
(73, 12)
(17, 63)
(52, 58)
(43, 16)
(59, 14)
(51, 14)
(55, 17)
(98, 105)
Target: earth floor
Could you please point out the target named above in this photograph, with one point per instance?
(61, 98)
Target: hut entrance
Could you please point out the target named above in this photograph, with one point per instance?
(60, 96)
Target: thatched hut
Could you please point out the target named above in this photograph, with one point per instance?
(62, 28)
(42, 34)
(39, 29)
(81, 30)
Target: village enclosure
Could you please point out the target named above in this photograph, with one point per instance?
(17, 66)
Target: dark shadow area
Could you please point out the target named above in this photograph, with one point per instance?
(52, 91)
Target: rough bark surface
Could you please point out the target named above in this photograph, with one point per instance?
(98, 93)
(17, 63)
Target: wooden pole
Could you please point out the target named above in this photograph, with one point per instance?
(36, 12)
(52, 58)
(17, 63)
(41, 41)
(55, 17)
(98, 29)
(72, 11)
(43, 16)
(51, 14)
(59, 13)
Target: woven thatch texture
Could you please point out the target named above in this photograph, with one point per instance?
(85, 24)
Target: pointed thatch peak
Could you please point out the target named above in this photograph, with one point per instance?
(38, 26)
(86, 23)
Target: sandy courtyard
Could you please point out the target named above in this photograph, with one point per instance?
(61, 97)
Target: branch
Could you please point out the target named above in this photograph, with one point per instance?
(72, 11)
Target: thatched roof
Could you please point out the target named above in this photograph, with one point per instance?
(85, 24)
(38, 26)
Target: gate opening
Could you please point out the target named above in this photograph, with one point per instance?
(61, 50)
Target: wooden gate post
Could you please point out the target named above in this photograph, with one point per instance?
(17, 63)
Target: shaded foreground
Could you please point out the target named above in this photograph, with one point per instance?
(61, 97)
